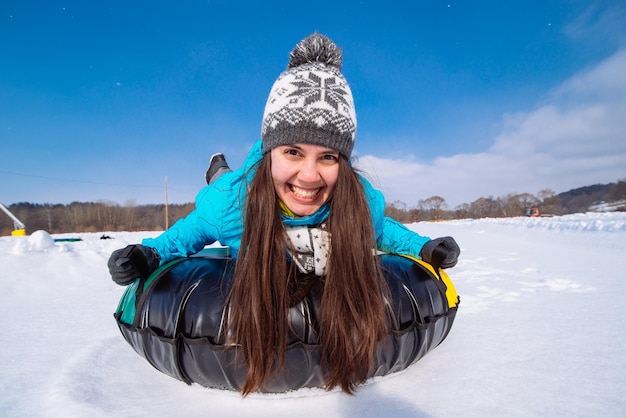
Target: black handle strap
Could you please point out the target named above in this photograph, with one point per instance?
(438, 256)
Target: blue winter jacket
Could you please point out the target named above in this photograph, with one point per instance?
(219, 214)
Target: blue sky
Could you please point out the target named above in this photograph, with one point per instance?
(104, 100)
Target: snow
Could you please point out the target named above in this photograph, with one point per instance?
(539, 332)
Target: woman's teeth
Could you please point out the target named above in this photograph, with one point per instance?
(304, 193)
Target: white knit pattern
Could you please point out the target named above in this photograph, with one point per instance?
(312, 93)
(311, 248)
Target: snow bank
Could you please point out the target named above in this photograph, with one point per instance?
(607, 222)
(37, 241)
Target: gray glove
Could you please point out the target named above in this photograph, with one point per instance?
(132, 262)
(443, 251)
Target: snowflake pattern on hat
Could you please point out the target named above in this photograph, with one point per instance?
(315, 88)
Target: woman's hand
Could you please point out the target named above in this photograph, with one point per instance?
(443, 251)
(132, 262)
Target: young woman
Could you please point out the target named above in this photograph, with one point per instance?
(298, 217)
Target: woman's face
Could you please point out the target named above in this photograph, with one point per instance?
(304, 176)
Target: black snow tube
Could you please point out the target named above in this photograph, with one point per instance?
(174, 320)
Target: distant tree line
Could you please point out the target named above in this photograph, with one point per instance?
(435, 208)
(93, 217)
(577, 200)
(106, 216)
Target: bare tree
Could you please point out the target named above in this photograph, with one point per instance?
(129, 212)
(434, 206)
(485, 207)
(397, 210)
(550, 202)
(516, 204)
(462, 211)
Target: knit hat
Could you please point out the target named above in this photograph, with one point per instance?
(311, 102)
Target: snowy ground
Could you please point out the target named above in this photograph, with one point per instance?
(540, 332)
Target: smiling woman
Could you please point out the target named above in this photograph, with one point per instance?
(298, 219)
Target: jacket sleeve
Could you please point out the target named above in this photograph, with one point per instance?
(217, 216)
(391, 236)
(190, 234)
(398, 239)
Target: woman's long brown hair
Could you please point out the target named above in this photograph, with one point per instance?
(354, 315)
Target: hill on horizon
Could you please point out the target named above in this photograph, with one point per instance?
(583, 198)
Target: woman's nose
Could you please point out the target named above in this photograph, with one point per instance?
(309, 171)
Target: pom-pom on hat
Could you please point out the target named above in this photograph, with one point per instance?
(311, 102)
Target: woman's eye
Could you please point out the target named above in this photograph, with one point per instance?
(330, 157)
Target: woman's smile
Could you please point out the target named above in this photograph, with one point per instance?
(304, 194)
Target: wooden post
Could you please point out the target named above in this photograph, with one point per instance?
(167, 218)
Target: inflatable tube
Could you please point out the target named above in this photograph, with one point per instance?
(174, 320)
